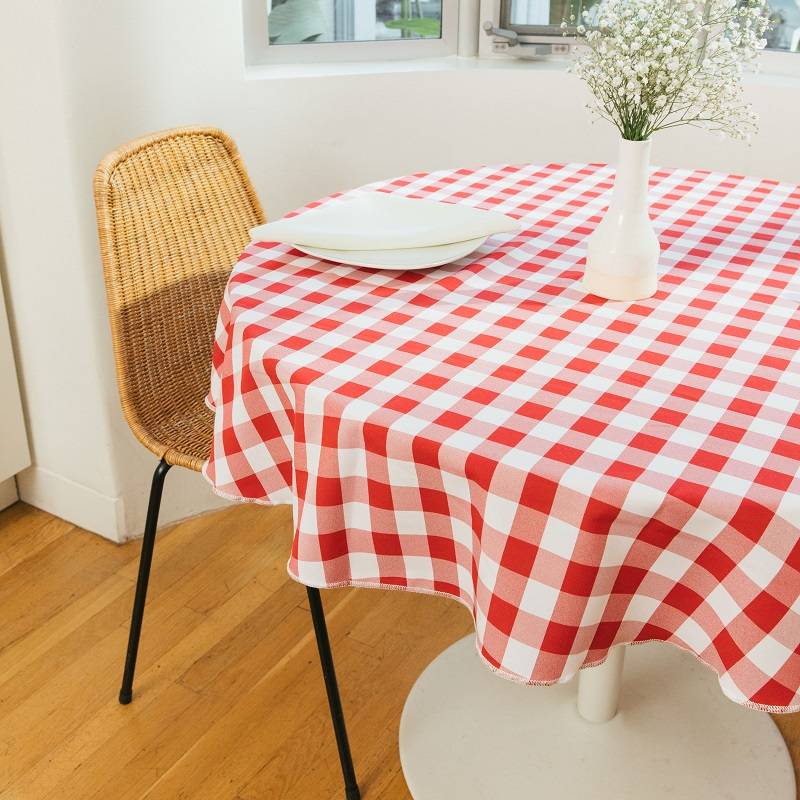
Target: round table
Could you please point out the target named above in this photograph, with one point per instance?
(580, 474)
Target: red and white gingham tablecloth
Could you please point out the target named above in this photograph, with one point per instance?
(579, 473)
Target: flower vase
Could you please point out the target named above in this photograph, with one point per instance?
(622, 253)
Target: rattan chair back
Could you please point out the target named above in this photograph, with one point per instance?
(173, 212)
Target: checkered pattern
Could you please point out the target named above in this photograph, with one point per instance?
(579, 473)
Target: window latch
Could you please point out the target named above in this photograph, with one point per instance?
(505, 39)
(511, 38)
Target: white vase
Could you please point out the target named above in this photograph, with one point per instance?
(622, 253)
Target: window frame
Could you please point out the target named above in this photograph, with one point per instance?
(259, 51)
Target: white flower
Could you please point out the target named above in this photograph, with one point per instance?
(654, 64)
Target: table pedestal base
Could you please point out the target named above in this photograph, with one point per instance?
(466, 734)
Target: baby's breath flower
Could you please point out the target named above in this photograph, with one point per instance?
(656, 64)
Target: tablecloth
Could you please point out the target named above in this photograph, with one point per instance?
(579, 473)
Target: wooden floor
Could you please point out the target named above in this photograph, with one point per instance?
(229, 702)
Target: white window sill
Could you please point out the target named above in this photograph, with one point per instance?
(444, 64)
(777, 69)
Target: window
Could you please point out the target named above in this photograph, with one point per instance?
(291, 31)
(785, 32)
(535, 20)
(299, 21)
(537, 17)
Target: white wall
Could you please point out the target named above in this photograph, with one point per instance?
(82, 77)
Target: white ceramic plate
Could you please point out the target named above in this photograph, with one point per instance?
(381, 221)
(404, 258)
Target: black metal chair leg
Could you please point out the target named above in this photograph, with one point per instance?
(145, 560)
(331, 687)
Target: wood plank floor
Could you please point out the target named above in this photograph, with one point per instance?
(228, 702)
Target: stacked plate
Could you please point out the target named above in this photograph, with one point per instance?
(384, 231)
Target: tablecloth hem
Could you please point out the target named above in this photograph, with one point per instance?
(514, 678)
(237, 498)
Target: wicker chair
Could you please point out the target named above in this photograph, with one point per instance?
(173, 212)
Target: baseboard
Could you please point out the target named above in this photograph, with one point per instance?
(73, 502)
(186, 494)
(8, 493)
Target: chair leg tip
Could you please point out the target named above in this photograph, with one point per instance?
(126, 697)
(352, 794)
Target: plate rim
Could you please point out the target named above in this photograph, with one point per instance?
(314, 252)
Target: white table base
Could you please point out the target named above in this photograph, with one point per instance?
(466, 734)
